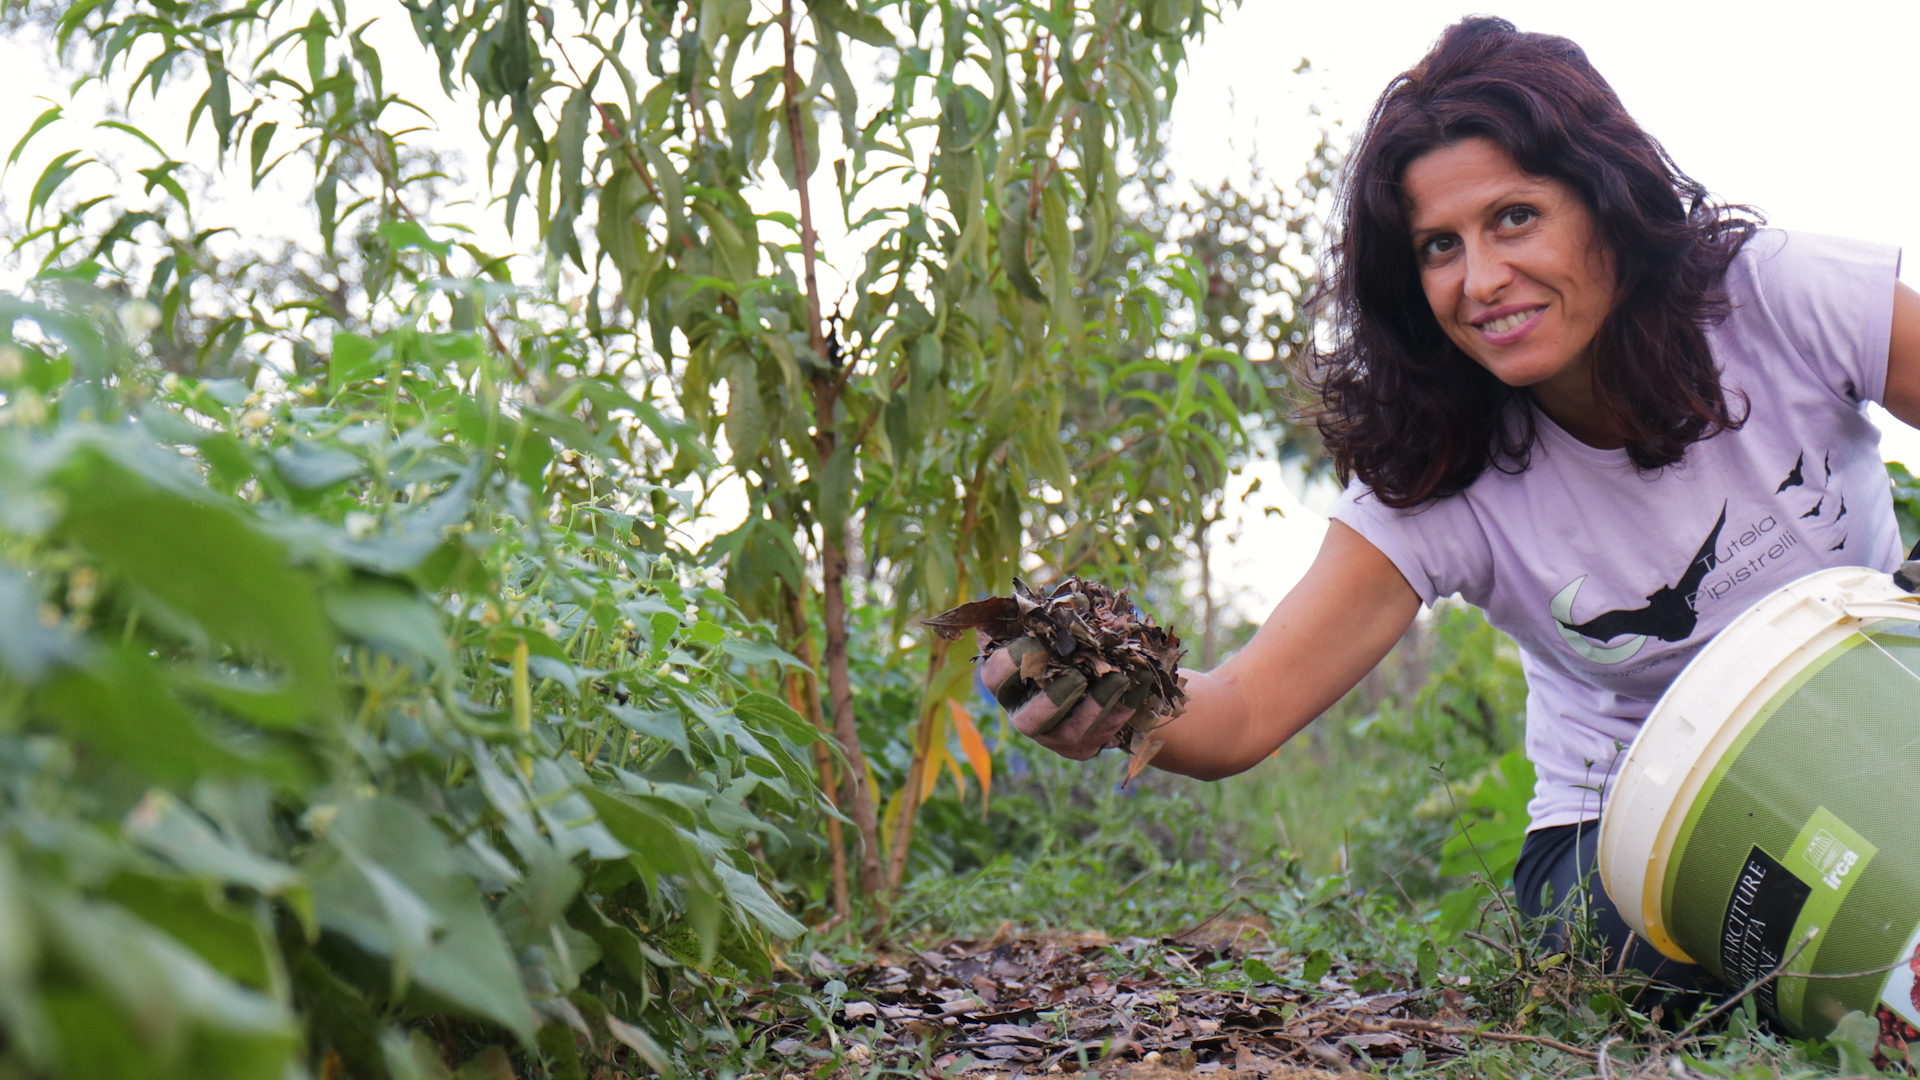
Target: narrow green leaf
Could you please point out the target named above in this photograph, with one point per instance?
(1014, 230)
(672, 192)
(33, 129)
(316, 34)
(848, 22)
(133, 131)
(262, 142)
(220, 97)
(51, 178)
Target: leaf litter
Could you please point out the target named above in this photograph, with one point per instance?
(1140, 1008)
(1091, 631)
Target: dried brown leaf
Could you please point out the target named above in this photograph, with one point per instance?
(992, 615)
(1033, 665)
(1143, 753)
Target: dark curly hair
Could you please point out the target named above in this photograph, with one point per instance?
(1400, 405)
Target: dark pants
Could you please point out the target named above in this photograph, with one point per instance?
(1561, 863)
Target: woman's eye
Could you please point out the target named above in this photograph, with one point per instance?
(1434, 247)
(1518, 215)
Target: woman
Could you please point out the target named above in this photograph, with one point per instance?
(1574, 391)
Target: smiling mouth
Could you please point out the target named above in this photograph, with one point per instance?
(1508, 322)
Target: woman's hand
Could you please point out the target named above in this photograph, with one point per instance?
(1064, 714)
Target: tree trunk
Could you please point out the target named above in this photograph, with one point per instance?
(840, 696)
(833, 556)
(803, 690)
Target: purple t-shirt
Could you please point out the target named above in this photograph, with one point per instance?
(1609, 578)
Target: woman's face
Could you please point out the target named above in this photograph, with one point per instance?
(1513, 267)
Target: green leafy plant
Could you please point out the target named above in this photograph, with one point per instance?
(329, 717)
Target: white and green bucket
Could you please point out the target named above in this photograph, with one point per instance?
(1770, 807)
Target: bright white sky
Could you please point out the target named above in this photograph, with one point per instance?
(1788, 109)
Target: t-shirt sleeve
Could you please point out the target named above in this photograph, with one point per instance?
(1832, 300)
(1438, 547)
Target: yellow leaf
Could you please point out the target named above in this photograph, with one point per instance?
(890, 819)
(976, 750)
(873, 783)
(930, 772)
(959, 778)
(936, 753)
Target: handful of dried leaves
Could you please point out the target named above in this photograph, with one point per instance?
(1081, 637)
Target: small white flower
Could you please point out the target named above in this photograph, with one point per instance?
(360, 525)
(255, 419)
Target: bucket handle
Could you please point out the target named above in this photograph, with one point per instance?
(1907, 609)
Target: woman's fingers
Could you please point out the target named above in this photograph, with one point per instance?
(1064, 714)
(1003, 664)
(1088, 728)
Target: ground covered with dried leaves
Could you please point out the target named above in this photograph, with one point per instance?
(1228, 1002)
(1067, 1002)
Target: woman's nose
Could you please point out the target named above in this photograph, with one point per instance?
(1487, 273)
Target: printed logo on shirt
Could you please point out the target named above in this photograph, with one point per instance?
(1668, 613)
(1671, 612)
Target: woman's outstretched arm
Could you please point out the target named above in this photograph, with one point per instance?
(1331, 629)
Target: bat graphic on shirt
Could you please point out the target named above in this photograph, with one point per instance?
(1667, 614)
(1794, 478)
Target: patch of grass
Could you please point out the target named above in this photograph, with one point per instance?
(1169, 856)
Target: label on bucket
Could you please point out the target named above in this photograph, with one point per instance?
(1828, 856)
(1766, 902)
